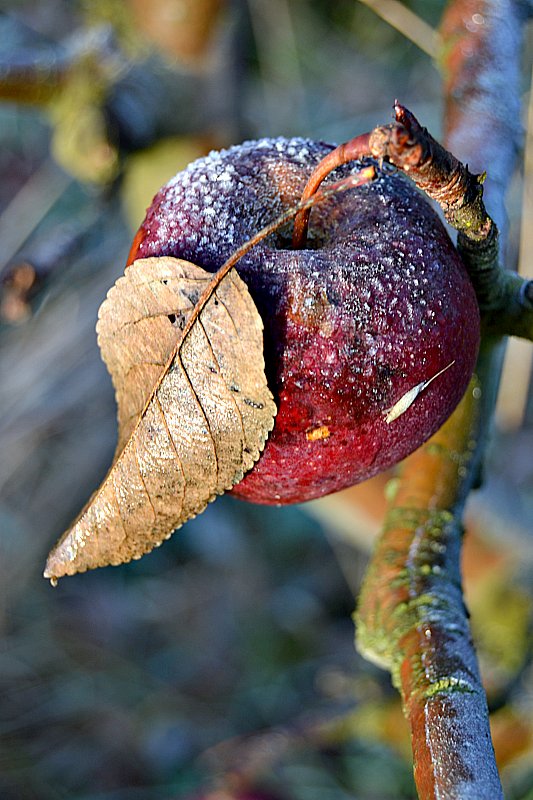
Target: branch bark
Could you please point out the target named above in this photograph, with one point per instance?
(505, 297)
(411, 615)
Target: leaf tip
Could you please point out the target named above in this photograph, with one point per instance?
(48, 575)
(61, 561)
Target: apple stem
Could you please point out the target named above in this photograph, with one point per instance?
(349, 151)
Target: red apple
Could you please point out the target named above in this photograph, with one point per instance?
(378, 303)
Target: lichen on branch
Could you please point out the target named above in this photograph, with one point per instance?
(411, 615)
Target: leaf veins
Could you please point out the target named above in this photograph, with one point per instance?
(194, 408)
(185, 354)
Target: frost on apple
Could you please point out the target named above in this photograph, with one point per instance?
(377, 303)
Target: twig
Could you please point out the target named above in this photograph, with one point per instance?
(505, 296)
(438, 173)
(411, 148)
(411, 615)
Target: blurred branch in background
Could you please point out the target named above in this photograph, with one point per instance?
(130, 76)
(17, 222)
(121, 94)
(516, 375)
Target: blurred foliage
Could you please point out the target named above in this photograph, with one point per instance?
(225, 658)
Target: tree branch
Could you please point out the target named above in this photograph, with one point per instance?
(411, 615)
(505, 297)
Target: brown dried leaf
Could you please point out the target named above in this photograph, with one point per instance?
(194, 409)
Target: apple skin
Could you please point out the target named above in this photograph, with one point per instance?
(377, 303)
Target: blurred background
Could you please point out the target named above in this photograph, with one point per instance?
(222, 664)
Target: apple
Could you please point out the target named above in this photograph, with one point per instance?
(371, 330)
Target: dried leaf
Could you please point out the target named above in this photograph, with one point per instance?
(194, 409)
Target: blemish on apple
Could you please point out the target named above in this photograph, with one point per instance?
(316, 434)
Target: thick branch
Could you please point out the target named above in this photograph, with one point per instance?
(412, 618)
(411, 615)
(505, 297)
(481, 69)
